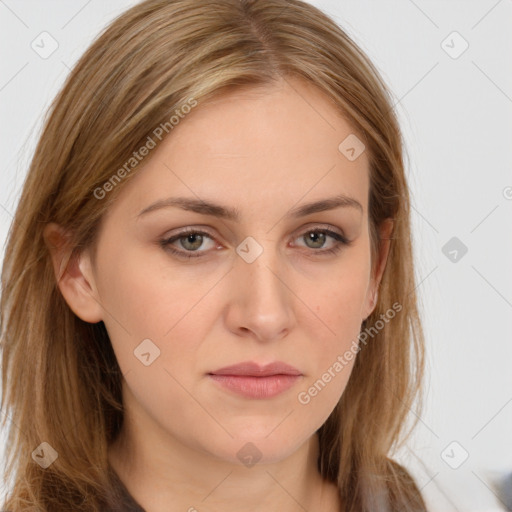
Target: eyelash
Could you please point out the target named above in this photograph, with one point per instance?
(166, 242)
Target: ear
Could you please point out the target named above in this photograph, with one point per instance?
(385, 231)
(73, 273)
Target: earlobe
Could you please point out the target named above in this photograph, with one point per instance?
(372, 297)
(73, 273)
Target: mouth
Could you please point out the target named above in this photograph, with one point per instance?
(252, 380)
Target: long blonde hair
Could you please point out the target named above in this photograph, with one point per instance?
(60, 378)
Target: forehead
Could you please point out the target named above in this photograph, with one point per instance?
(265, 146)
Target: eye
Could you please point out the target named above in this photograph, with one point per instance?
(316, 238)
(191, 241)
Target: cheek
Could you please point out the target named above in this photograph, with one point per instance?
(338, 303)
(145, 300)
(334, 331)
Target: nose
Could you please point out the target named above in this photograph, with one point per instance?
(261, 303)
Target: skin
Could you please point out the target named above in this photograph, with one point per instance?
(178, 447)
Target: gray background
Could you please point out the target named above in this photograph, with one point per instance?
(455, 109)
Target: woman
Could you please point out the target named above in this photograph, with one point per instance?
(208, 288)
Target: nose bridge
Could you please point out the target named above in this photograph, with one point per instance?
(263, 296)
(260, 267)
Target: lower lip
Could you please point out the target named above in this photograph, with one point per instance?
(256, 387)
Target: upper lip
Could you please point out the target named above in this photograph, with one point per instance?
(252, 369)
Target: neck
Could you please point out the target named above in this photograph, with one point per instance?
(193, 480)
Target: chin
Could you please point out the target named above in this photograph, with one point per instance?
(257, 446)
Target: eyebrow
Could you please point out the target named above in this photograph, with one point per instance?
(233, 214)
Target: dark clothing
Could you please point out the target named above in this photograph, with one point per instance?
(121, 501)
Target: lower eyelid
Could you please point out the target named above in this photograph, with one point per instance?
(339, 241)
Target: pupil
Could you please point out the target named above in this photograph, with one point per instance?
(314, 236)
(190, 239)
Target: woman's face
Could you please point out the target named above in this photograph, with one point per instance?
(268, 286)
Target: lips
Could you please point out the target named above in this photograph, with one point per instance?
(254, 381)
(252, 369)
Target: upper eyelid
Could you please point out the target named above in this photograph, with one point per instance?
(312, 227)
(205, 231)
